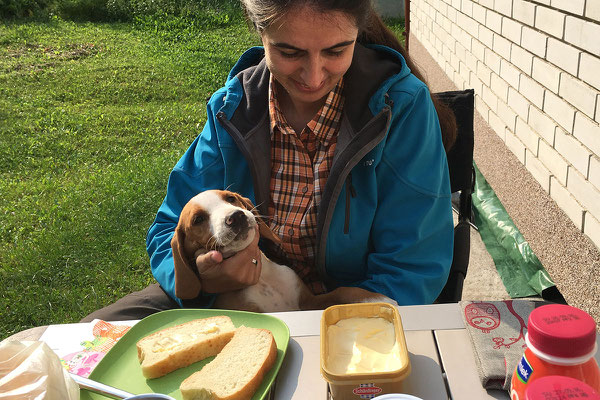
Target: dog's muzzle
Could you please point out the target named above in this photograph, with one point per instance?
(237, 221)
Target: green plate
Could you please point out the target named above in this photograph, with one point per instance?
(120, 366)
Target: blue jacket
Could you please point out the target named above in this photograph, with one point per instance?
(385, 218)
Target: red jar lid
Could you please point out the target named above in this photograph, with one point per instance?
(561, 331)
(558, 388)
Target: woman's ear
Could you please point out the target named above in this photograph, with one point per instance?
(187, 282)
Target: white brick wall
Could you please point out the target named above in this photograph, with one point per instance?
(521, 58)
(535, 68)
(542, 124)
(571, 6)
(507, 115)
(582, 33)
(572, 150)
(516, 146)
(567, 202)
(550, 21)
(503, 7)
(592, 10)
(587, 132)
(592, 227)
(585, 193)
(578, 93)
(538, 170)
(520, 104)
(594, 175)
(511, 30)
(554, 161)
(588, 69)
(533, 91)
(511, 74)
(546, 74)
(524, 11)
(563, 55)
(527, 136)
(559, 110)
(534, 41)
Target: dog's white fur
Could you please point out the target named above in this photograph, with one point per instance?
(212, 221)
(219, 211)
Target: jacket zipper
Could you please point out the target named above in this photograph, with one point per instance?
(350, 193)
(237, 137)
(350, 163)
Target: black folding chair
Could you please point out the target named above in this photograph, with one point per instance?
(462, 181)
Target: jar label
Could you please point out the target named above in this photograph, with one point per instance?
(524, 370)
(367, 390)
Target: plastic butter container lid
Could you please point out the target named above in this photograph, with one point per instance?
(364, 381)
(396, 396)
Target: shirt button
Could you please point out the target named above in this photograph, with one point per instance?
(291, 232)
(305, 189)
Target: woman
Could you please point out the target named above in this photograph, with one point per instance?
(338, 144)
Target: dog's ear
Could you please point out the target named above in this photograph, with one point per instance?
(263, 229)
(245, 202)
(266, 232)
(187, 282)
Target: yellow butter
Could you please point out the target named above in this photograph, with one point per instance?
(362, 345)
(171, 342)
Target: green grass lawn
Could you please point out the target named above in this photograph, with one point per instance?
(92, 119)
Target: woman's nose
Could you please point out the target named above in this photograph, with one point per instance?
(313, 72)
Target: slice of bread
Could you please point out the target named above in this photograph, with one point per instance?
(178, 346)
(237, 371)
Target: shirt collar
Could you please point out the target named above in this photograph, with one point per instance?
(324, 125)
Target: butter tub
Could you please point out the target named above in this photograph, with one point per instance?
(363, 385)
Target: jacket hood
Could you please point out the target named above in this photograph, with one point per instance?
(373, 71)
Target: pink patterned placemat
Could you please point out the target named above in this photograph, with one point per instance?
(80, 347)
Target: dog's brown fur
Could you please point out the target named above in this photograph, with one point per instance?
(192, 239)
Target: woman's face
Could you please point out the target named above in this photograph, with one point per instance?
(308, 52)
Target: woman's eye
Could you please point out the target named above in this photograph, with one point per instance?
(290, 55)
(335, 53)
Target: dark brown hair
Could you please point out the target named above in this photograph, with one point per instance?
(371, 30)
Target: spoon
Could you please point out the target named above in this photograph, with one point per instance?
(109, 391)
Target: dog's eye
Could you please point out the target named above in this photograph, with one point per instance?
(230, 199)
(198, 219)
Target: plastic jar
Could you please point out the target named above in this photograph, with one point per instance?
(561, 340)
(558, 388)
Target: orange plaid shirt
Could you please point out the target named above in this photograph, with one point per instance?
(300, 165)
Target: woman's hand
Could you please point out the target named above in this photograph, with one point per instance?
(236, 272)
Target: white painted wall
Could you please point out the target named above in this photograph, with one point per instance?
(535, 68)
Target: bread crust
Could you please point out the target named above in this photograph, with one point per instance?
(192, 344)
(192, 390)
(248, 391)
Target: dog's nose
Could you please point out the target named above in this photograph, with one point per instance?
(237, 221)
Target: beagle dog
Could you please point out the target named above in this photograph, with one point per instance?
(224, 221)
